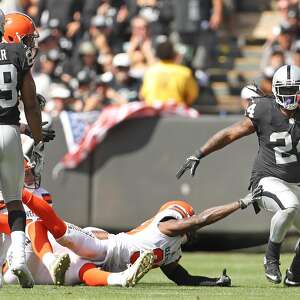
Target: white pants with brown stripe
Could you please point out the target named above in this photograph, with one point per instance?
(11, 163)
(283, 199)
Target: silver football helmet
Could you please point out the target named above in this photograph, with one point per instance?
(286, 86)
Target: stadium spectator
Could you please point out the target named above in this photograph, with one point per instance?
(296, 57)
(196, 22)
(266, 80)
(167, 81)
(66, 13)
(61, 99)
(158, 13)
(140, 45)
(99, 33)
(126, 87)
(86, 59)
(284, 42)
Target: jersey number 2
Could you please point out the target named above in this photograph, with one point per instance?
(158, 256)
(281, 152)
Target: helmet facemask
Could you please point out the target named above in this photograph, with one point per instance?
(31, 181)
(287, 94)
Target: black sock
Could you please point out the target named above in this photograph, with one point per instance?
(17, 220)
(273, 250)
(295, 266)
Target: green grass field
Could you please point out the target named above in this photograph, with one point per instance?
(246, 271)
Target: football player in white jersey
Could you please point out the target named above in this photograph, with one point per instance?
(163, 234)
(51, 263)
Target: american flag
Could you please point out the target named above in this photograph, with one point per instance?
(82, 134)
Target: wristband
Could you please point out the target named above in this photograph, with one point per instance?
(199, 154)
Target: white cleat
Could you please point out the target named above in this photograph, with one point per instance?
(139, 269)
(59, 268)
(24, 276)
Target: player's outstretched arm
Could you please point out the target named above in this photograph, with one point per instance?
(209, 216)
(216, 142)
(175, 272)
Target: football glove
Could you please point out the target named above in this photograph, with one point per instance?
(251, 198)
(48, 134)
(191, 163)
(224, 279)
(37, 160)
(42, 101)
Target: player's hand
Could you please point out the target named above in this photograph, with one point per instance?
(251, 197)
(191, 163)
(42, 101)
(48, 134)
(37, 160)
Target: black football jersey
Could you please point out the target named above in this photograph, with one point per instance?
(15, 61)
(278, 137)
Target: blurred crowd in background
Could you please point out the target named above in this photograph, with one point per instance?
(283, 47)
(99, 52)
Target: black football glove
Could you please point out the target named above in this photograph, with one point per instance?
(48, 134)
(252, 198)
(191, 163)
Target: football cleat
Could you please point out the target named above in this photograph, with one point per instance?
(138, 269)
(24, 276)
(291, 279)
(224, 280)
(59, 268)
(272, 270)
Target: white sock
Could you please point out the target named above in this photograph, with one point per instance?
(115, 279)
(48, 259)
(18, 247)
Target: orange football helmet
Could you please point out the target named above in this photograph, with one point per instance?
(183, 207)
(20, 28)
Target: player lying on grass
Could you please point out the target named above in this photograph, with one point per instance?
(50, 263)
(163, 234)
(42, 252)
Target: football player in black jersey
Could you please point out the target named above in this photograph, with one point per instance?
(276, 121)
(15, 77)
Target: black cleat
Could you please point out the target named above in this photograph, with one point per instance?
(224, 280)
(272, 270)
(291, 279)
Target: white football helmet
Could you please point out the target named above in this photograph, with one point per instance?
(286, 86)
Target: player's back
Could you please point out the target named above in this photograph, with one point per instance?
(15, 61)
(278, 137)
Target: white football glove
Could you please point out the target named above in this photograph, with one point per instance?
(251, 197)
(37, 160)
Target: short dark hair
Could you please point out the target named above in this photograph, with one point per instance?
(165, 50)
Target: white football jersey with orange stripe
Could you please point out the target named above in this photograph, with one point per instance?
(125, 248)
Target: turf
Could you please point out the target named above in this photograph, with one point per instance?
(246, 271)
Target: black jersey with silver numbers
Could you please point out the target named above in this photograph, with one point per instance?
(15, 61)
(278, 137)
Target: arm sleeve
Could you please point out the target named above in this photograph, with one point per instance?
(180, 276)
